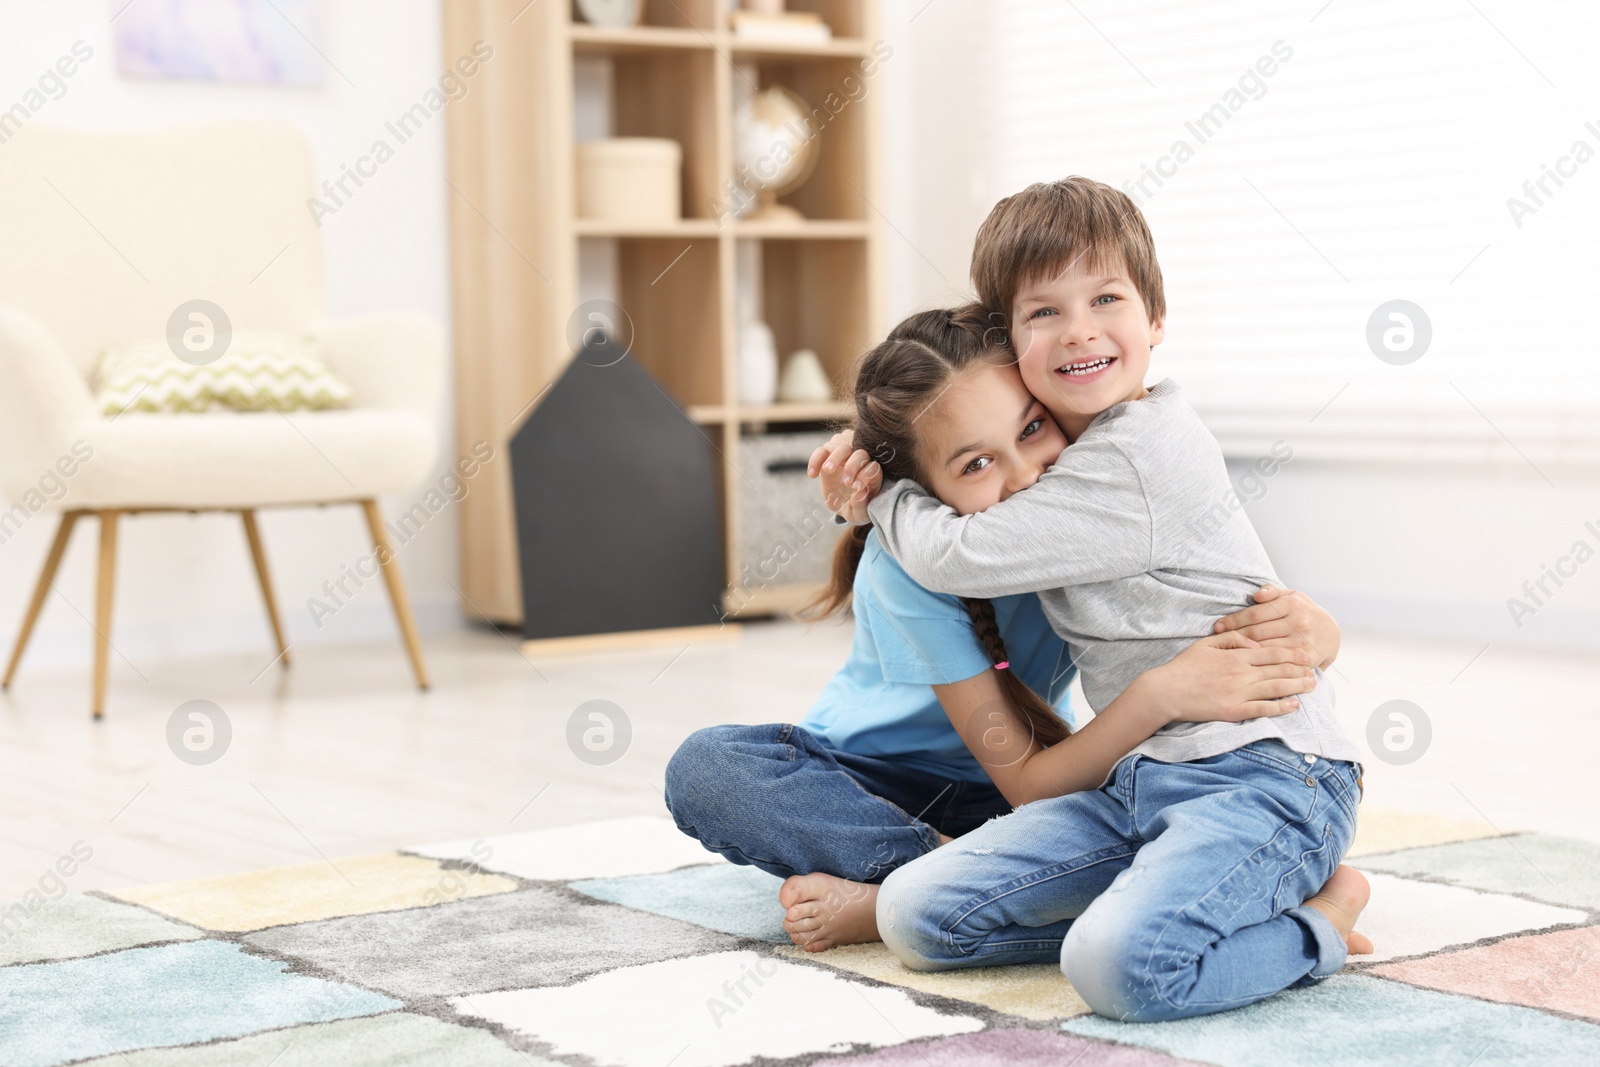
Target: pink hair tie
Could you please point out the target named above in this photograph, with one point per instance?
(1002, 665)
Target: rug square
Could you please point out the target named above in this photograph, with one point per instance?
(254, 900)
(1032, 990)
(1559, 971)
(712, 1011)
(1386, 829)
(539, 936)
(399, 1039)
(1407, 917)
(1560, 870)
(52, 1013)
(608, 848)
(730, 897)
(1356, 1021)
(79, 925)
(1011, 1048)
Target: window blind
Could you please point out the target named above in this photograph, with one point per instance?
(1304, 166)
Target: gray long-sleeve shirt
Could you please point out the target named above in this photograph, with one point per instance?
(1136, 546)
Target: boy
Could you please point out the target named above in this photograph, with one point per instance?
(1175, 889)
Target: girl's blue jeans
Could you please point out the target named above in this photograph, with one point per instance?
(776, 798)
(1175, 890)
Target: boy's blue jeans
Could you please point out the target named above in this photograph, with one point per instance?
(776, 798)
(1175, 890)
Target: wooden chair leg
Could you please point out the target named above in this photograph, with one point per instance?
(257, 553)
(52, 561)
(397, 589)
(105, 585)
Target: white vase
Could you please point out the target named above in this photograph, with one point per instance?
(804, 380)
(758, 365)
(618, 14)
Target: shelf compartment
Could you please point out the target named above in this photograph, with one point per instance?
(671, 94)
(816, 294)
(845, 17)
(696, 14)
(658, 14)
(668, 288)
(835, 93)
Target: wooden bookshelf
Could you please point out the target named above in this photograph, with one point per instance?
(516, 238)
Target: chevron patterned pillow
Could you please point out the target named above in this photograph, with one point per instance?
(261, 370)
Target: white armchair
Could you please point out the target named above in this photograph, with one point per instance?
(103, 235)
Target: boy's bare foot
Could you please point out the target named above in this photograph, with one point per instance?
(1341, 900)
(821, 911)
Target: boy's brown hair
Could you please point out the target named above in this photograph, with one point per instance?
(1049, 226)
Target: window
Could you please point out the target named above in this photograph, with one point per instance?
(1302, 168)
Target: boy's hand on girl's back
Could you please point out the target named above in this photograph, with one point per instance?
(1284, 618)
(849, 477)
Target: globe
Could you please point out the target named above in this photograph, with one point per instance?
(775, 150)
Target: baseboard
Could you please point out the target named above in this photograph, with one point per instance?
(628, 640)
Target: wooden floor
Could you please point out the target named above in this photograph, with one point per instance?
(341, 755)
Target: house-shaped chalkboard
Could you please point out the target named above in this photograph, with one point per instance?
(617, 521)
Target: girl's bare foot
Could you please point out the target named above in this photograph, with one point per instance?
(1341, 900)
(821, 911)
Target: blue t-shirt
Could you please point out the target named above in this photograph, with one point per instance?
(907, 640)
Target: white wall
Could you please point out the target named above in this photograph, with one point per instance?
(1392, 546)
(186, 584)
(938, 128)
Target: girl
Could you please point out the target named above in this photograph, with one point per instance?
(936, 722)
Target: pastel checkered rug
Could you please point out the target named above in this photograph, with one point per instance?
(622, 942)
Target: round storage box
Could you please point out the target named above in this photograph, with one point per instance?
(630, 179)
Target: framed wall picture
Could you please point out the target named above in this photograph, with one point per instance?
(267, 42)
